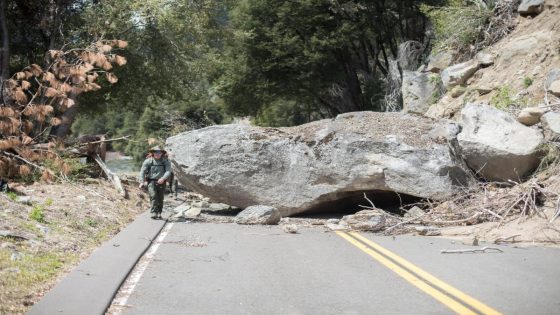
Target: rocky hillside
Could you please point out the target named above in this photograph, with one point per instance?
(522, 70)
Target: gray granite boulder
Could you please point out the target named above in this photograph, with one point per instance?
(530, 7)
(459, 73)
(551, 125)
(418, 90)
(324, 165)
(496, 145)
(258, 214)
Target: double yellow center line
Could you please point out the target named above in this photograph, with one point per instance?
(456, 300)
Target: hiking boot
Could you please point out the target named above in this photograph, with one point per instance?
(154, 216)
(158, 216)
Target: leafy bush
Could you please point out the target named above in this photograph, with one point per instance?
(458, 25)
(37, 214)
(527, 82)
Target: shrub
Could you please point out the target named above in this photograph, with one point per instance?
(457, 26)
(37, 214)
(527, 82)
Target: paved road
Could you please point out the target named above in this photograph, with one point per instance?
(202, 268)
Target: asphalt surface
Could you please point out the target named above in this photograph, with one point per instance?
(91, 286)
(203, 268)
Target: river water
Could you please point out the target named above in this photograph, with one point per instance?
(120, 164)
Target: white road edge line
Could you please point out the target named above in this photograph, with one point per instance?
(119, 303)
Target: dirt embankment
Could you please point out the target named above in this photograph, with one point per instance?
(47, 229)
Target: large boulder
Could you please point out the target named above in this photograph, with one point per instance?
(496, 145)
(418, 89)
(324, 165)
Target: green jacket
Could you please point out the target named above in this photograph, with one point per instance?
(154, 169)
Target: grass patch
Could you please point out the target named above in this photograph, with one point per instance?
(504, 98)
(91, 222)
(25, 275)
(11, 195)
(527, 82)
(457, 25)
(38, 214)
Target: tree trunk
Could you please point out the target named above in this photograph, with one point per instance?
(5, 49)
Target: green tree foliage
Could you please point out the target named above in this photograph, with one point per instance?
(332, 55)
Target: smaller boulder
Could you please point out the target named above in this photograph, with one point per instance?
(439, 61)
(495, 145)
(258, 214)
(459, 73)
(484, 89)
(26, 200)
(365, 220)
(530, 115)
(417, 90)
(485, 59)
(552, 76)
(551, 125)
(458, 91)
(531, 7)
(554, 88)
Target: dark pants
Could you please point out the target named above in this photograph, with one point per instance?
(156, 193)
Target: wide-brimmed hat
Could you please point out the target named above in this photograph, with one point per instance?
(157, 148)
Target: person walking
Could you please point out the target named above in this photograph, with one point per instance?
(154, 173)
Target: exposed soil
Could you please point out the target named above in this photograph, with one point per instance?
(60, 225)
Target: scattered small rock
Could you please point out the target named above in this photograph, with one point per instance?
(192, 212)
(458, 91)
(414, 212)
(45, 230)
(485, 59)
(258, 214)
(366, 220)
(484, 89)
(16, 256)
(341, 226)
(530, 115)
(290, 228)
(26, 200)
(531, 7)
(428, 230)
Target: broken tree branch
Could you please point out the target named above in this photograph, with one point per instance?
(101, 141)
(484, 249)
(111, 176)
